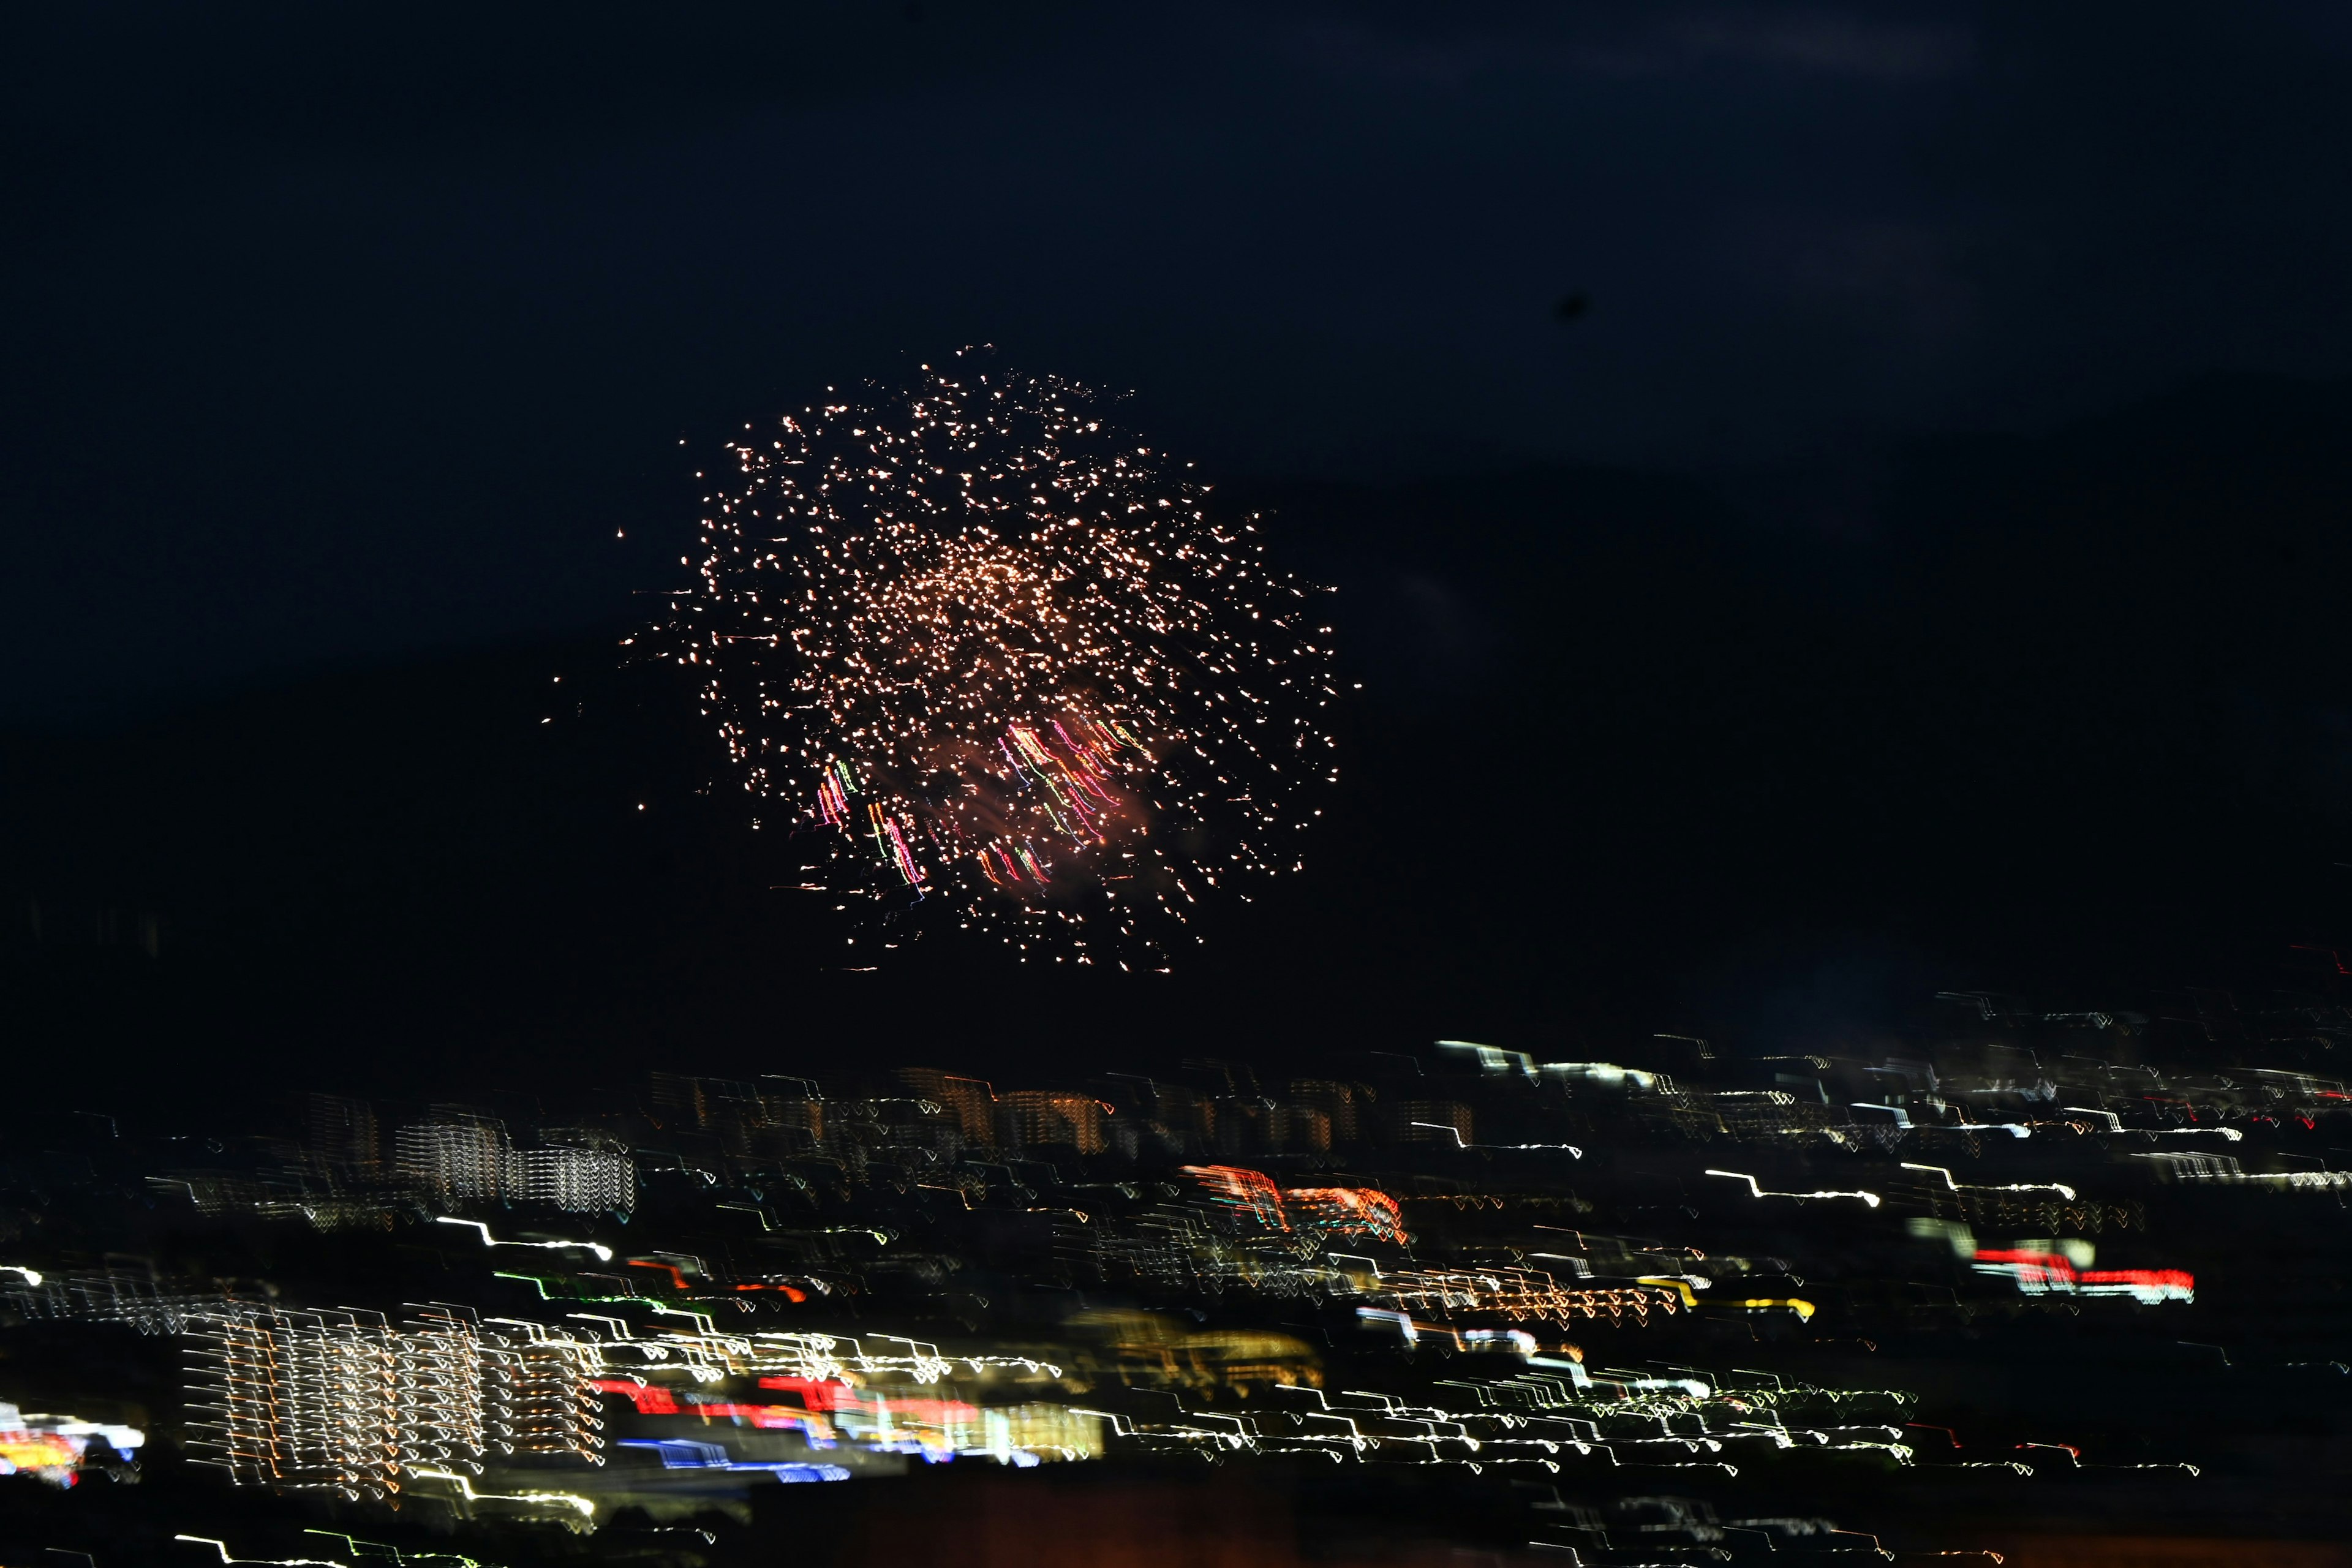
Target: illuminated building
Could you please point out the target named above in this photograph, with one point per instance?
(970, 1100)
(1336, 1102)
(1046, 1117)
(453, 1159)
(578, 1180)
(345, 1402)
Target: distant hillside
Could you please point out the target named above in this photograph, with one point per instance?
(2064, 715)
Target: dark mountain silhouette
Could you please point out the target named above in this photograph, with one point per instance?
(2060, 716)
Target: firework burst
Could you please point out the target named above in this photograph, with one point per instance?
(1000, 659)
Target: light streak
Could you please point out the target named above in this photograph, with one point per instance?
(465, 1488)
(1351, 1211)
(221, 1547)
(1871, 1199)
(1521, 1293)
(2039, 1273)
(1462, 1142)
(2059, 1187)
(1688, 1289)
(52, 1447)
(1251, 1192)
(2224, 1169)
(604, 1254)
(399, 1559)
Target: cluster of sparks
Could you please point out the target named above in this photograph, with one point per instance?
(1003, 661)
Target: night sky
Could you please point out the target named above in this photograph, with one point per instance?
(1864, 470)
(356, 331)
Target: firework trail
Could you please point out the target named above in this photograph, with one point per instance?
(997, 655)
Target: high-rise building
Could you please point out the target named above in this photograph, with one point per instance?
(346, 1401)
(454, 1159)
(538, 1393)
(578, 1180)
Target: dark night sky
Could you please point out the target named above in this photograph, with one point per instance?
(1919, 564)
(350, 332)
